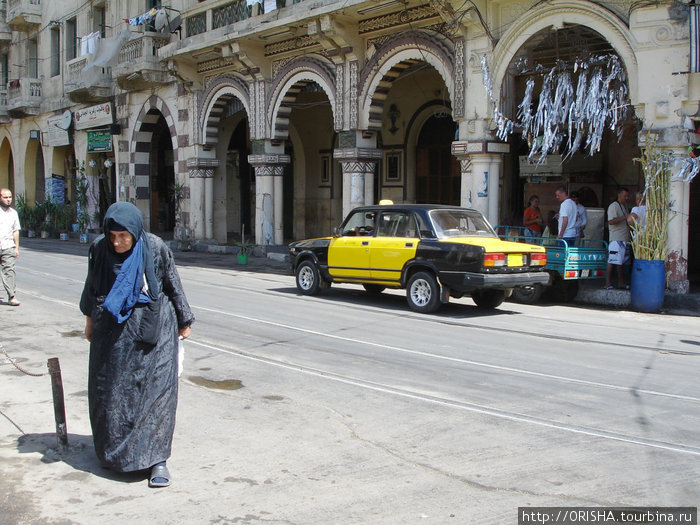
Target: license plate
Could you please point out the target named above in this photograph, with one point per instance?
(585, 273)
(515, 259)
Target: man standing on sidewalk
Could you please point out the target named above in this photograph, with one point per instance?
(618, 247)
(568, 226)
(9, 244)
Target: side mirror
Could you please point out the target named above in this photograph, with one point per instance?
(336, 232)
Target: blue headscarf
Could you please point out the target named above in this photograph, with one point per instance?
(130, 267)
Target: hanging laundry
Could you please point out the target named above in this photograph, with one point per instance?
(252, 2)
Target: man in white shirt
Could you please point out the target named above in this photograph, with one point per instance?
(618, 245)
(9, 244)
(568, 226)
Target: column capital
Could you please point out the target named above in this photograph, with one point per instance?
(202, 167)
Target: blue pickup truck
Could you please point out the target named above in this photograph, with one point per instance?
(566, 264)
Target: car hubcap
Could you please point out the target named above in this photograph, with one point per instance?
(306, 278)
(420, 292)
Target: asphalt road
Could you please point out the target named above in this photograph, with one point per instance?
(349, 408)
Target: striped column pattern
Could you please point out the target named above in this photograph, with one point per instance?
(142, 142)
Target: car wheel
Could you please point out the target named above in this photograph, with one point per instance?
(528, 294)
(563, 291)
(488, 298)
(423, 293)
(374, 288)
(308, 279)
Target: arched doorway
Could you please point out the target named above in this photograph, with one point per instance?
(575, 51)
(162, 177)
(310, 181)
(438, 176)
(7, 167)
(240, 185)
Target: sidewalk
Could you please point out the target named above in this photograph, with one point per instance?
(275, 259)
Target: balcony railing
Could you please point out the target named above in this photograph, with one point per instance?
(224, 15)
(24, 96)
(3, 104)
(139, 64)
(93, 85)
(22, 13)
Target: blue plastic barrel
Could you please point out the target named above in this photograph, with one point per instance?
(648, 285)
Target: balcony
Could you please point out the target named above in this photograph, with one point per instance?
(24, 97)
(139, 66)
(4, 115)
(23, 14)
(93, 84)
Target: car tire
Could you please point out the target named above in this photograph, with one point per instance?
(374, 289)
(423, 293)
(488, 298)
(308, 278)
(563, 291)
(527, 294)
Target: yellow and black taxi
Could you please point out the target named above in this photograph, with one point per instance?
(435, 252)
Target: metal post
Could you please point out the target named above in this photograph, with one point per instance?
(59, 408)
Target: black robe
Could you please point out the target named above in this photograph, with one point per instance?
(132, 386)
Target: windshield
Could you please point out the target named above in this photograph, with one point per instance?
(458, 223)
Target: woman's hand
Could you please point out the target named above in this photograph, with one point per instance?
(184, 333)
(88, 328)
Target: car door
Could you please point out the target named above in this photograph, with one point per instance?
(348, 254)
(395, 244)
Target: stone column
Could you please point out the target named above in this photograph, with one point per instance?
(269, 161)
(202, 196)
(358, 157)
(678, 235)
(481, 163)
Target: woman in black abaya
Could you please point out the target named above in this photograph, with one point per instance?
(135, 310)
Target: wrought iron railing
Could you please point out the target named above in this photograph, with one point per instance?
(196, 24)
(230, 13)
(226, 14)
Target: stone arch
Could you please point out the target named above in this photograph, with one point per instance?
(223, 91)
(143, 134)
(557, 13)
(288, 84)
(6, 155)
(395, 56)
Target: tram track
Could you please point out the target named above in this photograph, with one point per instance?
(449, 402)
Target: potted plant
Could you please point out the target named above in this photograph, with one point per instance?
(23, 212)
(244, 248)
(648, 280)
(81, 212)
(45, 217)
(62, 220)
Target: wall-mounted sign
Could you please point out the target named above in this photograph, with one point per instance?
(99, 141)
(100, 115)
(57, 136)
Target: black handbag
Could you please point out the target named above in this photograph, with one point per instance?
(149, 326)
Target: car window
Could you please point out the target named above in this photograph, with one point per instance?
(397, 224)
(457, 223)
(360, 223)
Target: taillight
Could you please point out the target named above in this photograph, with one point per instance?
(538, 259)
(570, 274)
(495, 259)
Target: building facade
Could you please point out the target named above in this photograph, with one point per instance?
(272, 120)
